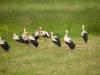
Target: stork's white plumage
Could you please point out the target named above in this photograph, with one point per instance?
(31, 39)
(4, 45)
(69, 41)
(41, 33)
(55, 39)
(84, 34)
(36, 35)
(23, 39)
(17, 38)
(45, 34)
(66, 38)
(25, 36)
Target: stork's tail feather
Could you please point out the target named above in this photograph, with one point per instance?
(70, 45)
(57, 43)
(35, 43)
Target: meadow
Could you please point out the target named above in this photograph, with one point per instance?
(56, 16)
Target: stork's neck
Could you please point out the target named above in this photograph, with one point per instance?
(52, 34)
(40, 28)
(14, 34)
(0, 38)
(66, 34)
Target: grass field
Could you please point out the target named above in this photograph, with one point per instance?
(48, 59)
(56, 16)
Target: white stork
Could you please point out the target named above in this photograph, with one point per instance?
(69, 41)
(25, 37)
(17, 38)
(45, 34)
(41, 33)
(55, 39)
(4, 45)
(84, 34)
(32, 40)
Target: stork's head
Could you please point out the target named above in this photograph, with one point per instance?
(66, 31)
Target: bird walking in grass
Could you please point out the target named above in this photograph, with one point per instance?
(84, 34)
(69, 41)
(4, 45)
(55, 39)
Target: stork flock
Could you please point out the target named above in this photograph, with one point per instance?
(33, 39)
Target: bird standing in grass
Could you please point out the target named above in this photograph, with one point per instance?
(84, 34)
(69, 41)
(44, 33)
(25, 37)
(4, 45)
(17, 38)
(55, 39)
(41, 33)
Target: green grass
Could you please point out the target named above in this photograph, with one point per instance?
(56, 16)
(48, 59)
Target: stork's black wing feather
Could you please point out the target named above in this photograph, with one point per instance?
(20, 40)
(36, 37)
(5, 46)
(70, 44)
(34, 42)
(58, 43)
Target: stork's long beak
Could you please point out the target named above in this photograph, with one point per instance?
(24, 30)
(83, 27)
